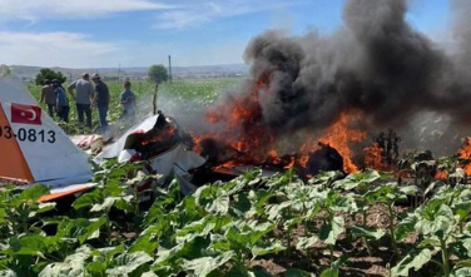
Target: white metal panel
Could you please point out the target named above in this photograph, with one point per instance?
(114, 150)
(48, 151)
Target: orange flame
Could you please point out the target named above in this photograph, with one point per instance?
(465, 153)
(341, 134)
(441, 175)
(243, 130)
(374, 157)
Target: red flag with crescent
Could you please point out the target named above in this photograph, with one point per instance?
(25, 114)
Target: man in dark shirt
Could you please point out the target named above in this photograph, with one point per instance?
(128, 100)
(48, 96)
(62, 102)
(101, 100)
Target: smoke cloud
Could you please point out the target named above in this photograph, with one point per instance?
(376, 63)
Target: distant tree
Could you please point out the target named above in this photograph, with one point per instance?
(49, 74)
(157, 73)
(5, 70)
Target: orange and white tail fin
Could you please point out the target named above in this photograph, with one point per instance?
(34, 149)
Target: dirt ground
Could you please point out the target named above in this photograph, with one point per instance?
(359, 263)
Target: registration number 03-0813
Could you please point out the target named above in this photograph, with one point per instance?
(28, 135)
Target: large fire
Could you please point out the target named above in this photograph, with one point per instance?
(241, 127)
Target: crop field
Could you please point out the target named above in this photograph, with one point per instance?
(284, 139)
(202, 92)
(363, 225)
(368, 223)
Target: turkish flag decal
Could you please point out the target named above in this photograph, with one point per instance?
(25, 114)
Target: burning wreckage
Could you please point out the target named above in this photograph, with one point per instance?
(242, 142)
(194, 160)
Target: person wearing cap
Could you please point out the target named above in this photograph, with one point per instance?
(62, 102)
(48, 97)
(83, 98)
(101, 100)
(128, 100)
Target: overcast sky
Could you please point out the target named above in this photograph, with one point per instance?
(105, 33)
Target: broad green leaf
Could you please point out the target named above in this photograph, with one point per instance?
(234, 236)
(242, 203)
(306, 242)
(440, 225)
(430, 242)
(466, 243)
(367, 232)
(429, 211)
(156, 213)
(290, 223)
(275, 211)
(34, 192)
(325, 178)
(259, 230)
(234, 187)
(462, 272)
(404, 228)
(408, 263)
(330, 231)
(355, 180)
(193, 249)
(203, 233)
(205, 265)
(140, 177)
(102, 258)
(72, 266)
(89, 199)
(462, 210)
(409, 190)
(260, 198)
(45, 207)
(147, 244)
(126, 263)
(213, 198)
(93, 230)
(107, 253)
(195, 226)
(81, 228)
(123, 203)
(269, 248)
(33, 245)
(220, 205)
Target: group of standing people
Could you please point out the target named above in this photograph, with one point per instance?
(54, 96)
(86, 96)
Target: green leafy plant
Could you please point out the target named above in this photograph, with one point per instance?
(389, 194)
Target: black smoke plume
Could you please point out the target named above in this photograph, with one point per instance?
(376, 63)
